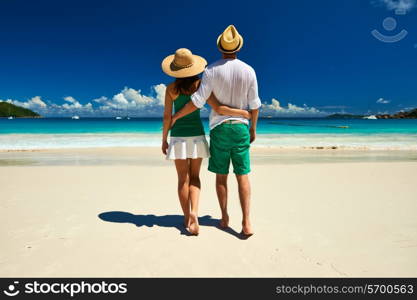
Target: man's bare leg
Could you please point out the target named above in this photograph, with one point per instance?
(244, 196)
(221, 189)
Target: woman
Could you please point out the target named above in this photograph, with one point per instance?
(188, 145)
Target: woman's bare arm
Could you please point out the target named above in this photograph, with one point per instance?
(167, 120)
(226, 110)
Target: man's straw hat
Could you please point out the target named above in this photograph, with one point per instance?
(230, 41)
(183, 64)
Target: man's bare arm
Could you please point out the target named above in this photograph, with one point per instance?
(186, 110)
(254, 123)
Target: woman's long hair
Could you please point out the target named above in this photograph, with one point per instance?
(186, 85)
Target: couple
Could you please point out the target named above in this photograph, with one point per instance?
(230, 87)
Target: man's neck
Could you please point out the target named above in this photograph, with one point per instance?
(229, 56)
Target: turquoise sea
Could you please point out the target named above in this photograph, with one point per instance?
(55, 133)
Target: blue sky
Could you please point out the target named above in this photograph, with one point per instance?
(103, 57)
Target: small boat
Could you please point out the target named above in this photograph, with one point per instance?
(371, 117)
(10, 118)
(118, 118)
(75, 117)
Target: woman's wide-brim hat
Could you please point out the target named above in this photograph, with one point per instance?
(230, 41)
(183, 64)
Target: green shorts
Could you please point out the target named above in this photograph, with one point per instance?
(229, 142)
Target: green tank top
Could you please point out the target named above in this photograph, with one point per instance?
(191, 124)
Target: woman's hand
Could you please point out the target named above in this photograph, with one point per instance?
(247, 115)
(164, 147)
(173, 120)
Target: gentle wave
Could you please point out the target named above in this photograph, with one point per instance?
(351, 141)
(284, 141)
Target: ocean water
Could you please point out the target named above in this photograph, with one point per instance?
(56, 133)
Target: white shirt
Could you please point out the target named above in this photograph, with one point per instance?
(234, 84)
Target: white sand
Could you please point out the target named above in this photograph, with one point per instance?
(313, 219)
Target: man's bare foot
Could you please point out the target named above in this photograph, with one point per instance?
(247, 229)
(224, 222)
(193, 226)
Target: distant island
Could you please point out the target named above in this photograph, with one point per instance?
(345, 116)
(411, 114)
(11, 110)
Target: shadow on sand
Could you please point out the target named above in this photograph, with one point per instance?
(175, 221)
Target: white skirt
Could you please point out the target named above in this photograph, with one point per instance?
(188, 147)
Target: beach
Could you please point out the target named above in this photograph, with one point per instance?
(317, 100)
(114, 212)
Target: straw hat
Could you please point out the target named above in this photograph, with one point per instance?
(183, 64)
(230, 41)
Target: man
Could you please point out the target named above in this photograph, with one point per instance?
(234, 84)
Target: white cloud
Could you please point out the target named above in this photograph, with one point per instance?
(134, 103)
(382, 101)
(33, 103)
(70, 99)
(37, 101)
(275, 105)
(397, 5)
(160, 93)
(127, 102)
(131, 97)
(74, 104)
(52, 109)
(276, 110)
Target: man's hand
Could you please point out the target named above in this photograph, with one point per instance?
(164, 147)
(252, 132)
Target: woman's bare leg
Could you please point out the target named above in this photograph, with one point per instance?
(183, 187)
(194, 193)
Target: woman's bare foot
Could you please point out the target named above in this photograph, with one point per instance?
(186, 221)
(193, 226)
(224, 222)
